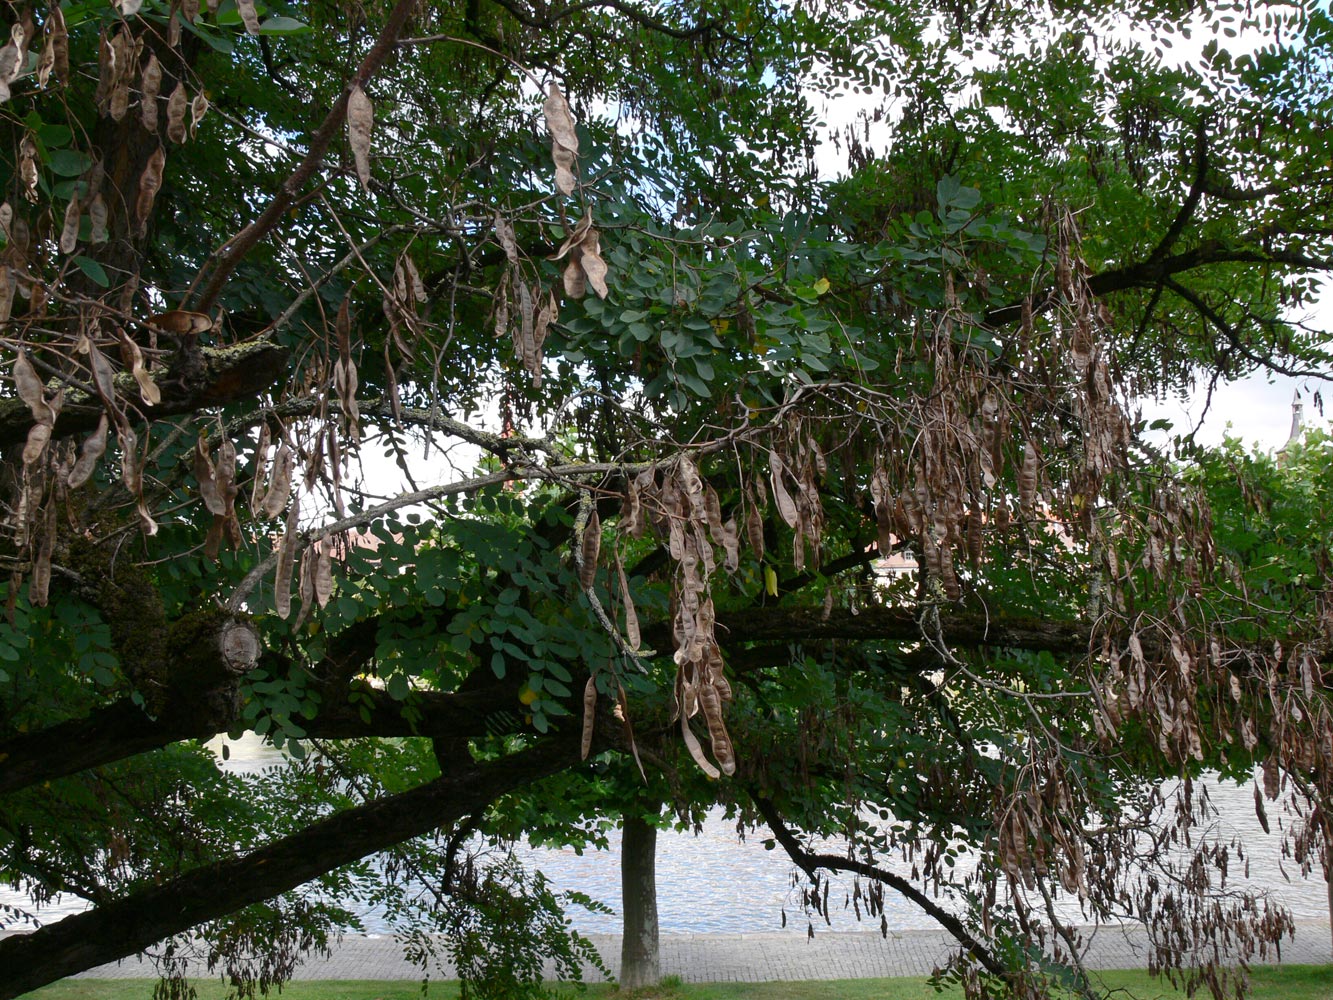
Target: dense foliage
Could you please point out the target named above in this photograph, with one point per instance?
(503, 401)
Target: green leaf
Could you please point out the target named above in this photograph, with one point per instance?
(279, 25)
(93, 270)
(218, 41)
(54, 136)
(69, 162)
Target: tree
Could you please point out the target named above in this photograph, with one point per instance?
(259, 245)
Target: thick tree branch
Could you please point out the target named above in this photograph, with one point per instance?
(1232, 335)
(123, 730)
(222, 375)
(809, 862)
(139, 920)
(899, 624)
(235, 250)
(629, 11)
(1191, 203)
(1150, 273)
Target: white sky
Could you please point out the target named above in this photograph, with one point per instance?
(1257, 409)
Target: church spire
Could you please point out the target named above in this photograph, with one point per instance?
(1297, 408)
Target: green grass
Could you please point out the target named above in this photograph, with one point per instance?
(1287, 982)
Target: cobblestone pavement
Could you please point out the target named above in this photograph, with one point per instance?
(703, 958)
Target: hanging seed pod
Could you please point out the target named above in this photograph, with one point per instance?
(69, 233)
(360, 123)
(54, 60)
(590, 548)
(282, 576)
(786, 506)
(149, 183)
(589, 716)
(564, 140)
(592, 265)
(150, 85)
(94, 447)
(97, 217)
(632, 634)
(1027, 479)
(198, 108)
(323, 575)
(177, 104)
(280, 486)
(248, 14)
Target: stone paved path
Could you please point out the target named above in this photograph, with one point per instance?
(702, 958)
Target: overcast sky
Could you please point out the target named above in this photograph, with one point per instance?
(1257, 410)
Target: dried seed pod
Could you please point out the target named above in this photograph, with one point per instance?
(131, 471)
(69, 233)
(564, 139)
(589, 716)
(8, 286)
(731, 545)
(149, 183)
(280, 486)
(305, 585)
(592, 265)
(30, 389)
(39, 583)
(39, 435)
(55, 53)
(258, 467)
(103, 375)
(710, 701)
(754, 529)
(248, 14)
(119, 102)
(28, 168)
(148, 390)
(10, 66)
(786, 506)
(323, 579)
(697, 751)
(504, 232)
(198, 108)
(206, 476)
(632, 634)
(589, 550)
(1027, 478)
(225, 476)
(97, 217)
(177, 104)
(573, 278)
(286, 562)
(150, 85)
(94, 447)
(360, 123)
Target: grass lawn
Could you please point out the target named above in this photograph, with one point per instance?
(1288, 982)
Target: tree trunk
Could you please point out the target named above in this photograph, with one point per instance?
(640, 954)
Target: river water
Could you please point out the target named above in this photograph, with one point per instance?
(716, 883)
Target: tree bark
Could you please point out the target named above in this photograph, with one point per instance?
(222, 375)
(139, 920)
(1328, 880)
(640, 951)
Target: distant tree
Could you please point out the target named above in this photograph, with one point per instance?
(250, 250)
